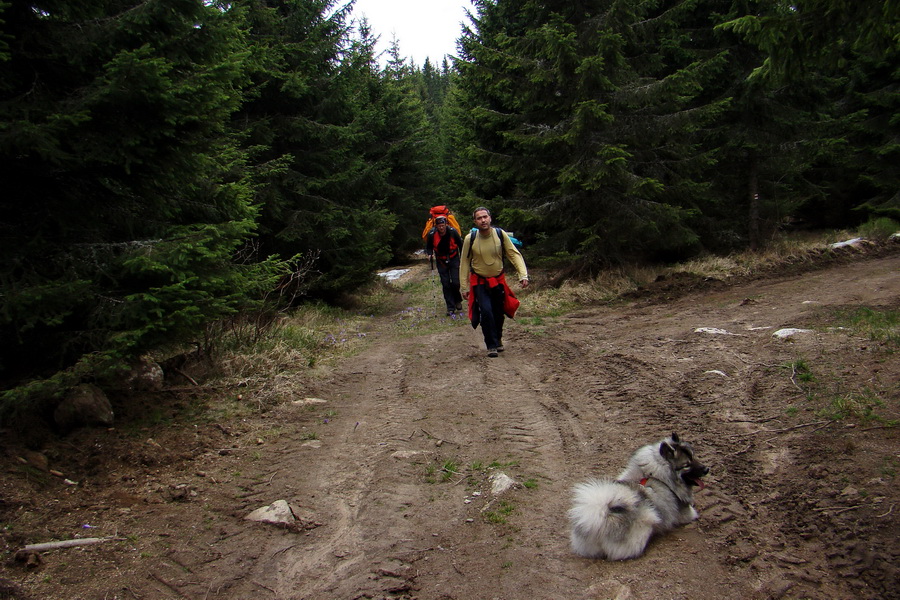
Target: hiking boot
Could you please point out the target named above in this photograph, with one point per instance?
(500, 348)
(492, 353)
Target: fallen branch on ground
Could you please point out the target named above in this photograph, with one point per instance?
(781, 430)
(69, 543)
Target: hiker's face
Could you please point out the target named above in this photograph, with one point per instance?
(442, 228)
(482, 220)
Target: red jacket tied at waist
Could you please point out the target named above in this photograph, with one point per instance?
(510, 302)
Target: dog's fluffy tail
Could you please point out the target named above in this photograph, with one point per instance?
(610, 520)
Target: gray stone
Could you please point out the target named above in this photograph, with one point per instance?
(145, 375)
(86, 404)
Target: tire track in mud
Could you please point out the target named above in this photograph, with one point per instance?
(542, 422)
(342, 557)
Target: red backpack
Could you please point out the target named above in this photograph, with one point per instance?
(439, 211)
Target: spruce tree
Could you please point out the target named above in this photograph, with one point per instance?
(315, 185)
(123, 202)
(570, 120)
(859, 40)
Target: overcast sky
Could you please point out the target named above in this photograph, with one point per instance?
(424, 28)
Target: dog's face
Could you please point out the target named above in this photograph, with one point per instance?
(681, 456)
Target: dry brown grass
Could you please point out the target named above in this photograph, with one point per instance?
(613, 284)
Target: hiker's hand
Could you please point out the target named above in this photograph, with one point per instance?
(524, 283)
(465, 295)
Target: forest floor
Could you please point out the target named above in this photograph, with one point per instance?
(388, 457)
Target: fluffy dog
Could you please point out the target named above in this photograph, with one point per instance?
(654, 494)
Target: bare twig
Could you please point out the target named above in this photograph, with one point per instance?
(169, 585)
(783, 430)
(838, 509)
(264, 586)
(794, 381)
(739, 452)
(133, 593)
(890, 510)
(68, 544)
(879, 427)
(186, 376)
(285, 549)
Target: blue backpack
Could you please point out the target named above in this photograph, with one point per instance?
(516, 242)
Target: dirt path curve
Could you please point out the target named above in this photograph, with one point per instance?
(392, 476)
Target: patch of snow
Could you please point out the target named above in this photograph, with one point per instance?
(853, 242)
(394, 274)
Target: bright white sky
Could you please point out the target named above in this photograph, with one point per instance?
(423, 28)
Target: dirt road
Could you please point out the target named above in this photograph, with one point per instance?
(391, 476)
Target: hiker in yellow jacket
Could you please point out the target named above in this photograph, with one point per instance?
(481, 265)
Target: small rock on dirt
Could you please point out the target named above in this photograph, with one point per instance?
(277, 513)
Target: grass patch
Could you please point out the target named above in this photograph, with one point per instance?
(859, 405)
(879, 325)
(879, 229)
(499, 516)
(496, 464)
(448, 470)
(800, 371)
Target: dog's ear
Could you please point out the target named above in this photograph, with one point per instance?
(675, 437)
(667, 451)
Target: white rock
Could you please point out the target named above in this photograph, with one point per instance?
(500, 482)
(405, 454)
(716, 372)
(308, 401)
(278, 513)
(789, 332)
(712, 330)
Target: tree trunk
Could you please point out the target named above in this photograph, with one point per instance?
(753, 217)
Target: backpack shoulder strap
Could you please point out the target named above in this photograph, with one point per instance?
(500, 234)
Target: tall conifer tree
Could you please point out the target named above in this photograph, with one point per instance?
(571, 120)
(316, 187)
(122, 202)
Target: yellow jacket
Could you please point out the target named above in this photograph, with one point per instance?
(484, 257)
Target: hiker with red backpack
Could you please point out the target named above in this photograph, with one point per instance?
(442, 244)
(481, 264)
